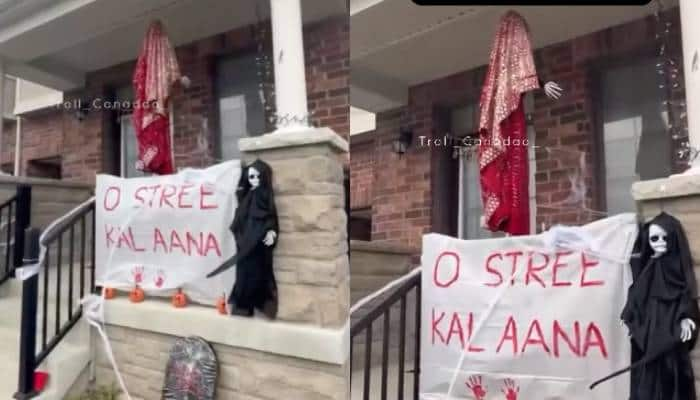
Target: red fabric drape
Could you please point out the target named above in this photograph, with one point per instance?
(503, 160)
(156, 73)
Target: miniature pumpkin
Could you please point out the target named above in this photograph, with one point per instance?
(221, 305)
(110, 293)
(136, 295)
(179, 299)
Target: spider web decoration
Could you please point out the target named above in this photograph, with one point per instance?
(266, 79)
(266, 86)
(670, 83)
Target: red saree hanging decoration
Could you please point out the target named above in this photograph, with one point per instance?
(156, 73)
(503, 160)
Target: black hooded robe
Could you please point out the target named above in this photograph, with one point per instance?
(256, 214)
(663, 293)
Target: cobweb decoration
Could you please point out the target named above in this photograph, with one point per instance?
(671, 83)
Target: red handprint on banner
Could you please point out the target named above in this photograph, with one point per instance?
(477, 388)
(137, 272)
(510, 389)
(159, 280)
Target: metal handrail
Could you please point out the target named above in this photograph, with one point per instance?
(385, 304)
(18, 209)
(64, 223)
(396, 293)
(8, 201)
(38, 252)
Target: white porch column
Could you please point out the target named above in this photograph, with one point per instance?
(690, 28)
(288, 55)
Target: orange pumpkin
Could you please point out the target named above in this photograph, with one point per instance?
(221, 305)
(136, 295)
(110, 293)
(179, 299)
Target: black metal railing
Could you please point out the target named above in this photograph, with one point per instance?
(397, 302)
(51, 298)
(14, 219)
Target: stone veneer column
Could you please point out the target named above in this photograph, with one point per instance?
(311, 257)
(679, 196)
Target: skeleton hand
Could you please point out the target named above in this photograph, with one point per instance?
(553, 90)
(687, 328)
(269, 239)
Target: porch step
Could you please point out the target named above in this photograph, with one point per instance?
(65, 363)
(374, 264)
(375, 382)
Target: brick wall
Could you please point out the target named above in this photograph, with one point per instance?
(82, 144)
(362, 165)
(327, 53)
(401, 186)
(401, 190)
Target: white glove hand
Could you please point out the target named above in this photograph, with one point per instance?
(687, 328)
(553, 90)
(269, 239)
(185, 82)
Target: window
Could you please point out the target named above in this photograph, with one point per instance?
(635, 139)
(129, 148)
(128, 145)
(241, 110)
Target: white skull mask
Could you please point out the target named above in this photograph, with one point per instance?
(657, 240)
(253, 177)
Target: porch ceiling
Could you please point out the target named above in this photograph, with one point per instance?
(396, 44)
(56, 42)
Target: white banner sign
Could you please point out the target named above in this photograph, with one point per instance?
(167, 232)
(529, 317)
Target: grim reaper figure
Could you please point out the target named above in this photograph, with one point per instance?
(661, 313)
(255, 229)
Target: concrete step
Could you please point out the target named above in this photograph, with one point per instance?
(66, 361)
(373, 265)
(375, 382)
(371, 258)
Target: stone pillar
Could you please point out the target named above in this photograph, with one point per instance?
(690, 14)
(679, 196)
(288, 56)
(311, 258)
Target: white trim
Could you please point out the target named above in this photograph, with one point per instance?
(303, 341)
(357, 6)
(362, 121)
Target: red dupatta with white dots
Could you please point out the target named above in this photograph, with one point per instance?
(155, 75)
(503, 161)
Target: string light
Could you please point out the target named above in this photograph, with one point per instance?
(266, 81)
(670, 82)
